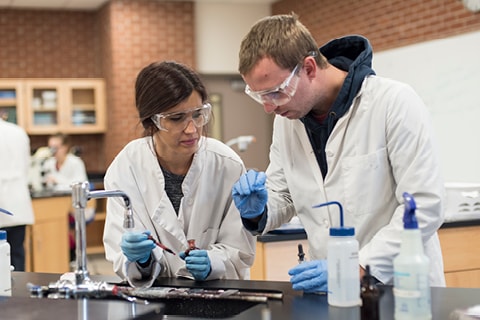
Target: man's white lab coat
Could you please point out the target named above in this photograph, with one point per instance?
(380, 148)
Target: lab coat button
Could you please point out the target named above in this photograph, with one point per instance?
(190, 201)
(326, 223)
(329, 153)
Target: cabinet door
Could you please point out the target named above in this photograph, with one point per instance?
(11, 102)
(86, 106)
(45, 106)
(73, 106)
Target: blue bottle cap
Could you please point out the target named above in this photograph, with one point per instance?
(3, 235)
(342, 232)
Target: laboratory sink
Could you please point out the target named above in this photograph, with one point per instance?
(205, 308)
(206, 303)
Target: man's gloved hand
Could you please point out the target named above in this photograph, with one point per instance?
(197, 263)
(310, 276)
(250, 195)
(136, 246)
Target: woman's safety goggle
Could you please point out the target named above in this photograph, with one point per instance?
(178, 121)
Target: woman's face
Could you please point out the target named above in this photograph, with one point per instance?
(184, 139)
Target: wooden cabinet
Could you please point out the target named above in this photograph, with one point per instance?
(95, 228)
(46, 241)
(71, 106)
(11, 102)
(45, 106)
(459, 248)
(460, 256)
(274, 259)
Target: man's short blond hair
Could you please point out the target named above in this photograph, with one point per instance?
(283, 38)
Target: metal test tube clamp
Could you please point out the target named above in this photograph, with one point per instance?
(80, 195)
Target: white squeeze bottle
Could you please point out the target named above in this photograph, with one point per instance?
(411, 288)
(343, 265)
(5, 272)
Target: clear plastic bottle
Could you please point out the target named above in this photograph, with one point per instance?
(411, 286)
(343, 268)
(343, 265)
(5, 272)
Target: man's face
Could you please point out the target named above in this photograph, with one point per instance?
(277, 89)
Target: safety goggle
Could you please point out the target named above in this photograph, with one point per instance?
(283, 93)
(178, 121)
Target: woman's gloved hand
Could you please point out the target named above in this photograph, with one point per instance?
(197, 263)
(311, 276)
(136, 246)
(250, 195)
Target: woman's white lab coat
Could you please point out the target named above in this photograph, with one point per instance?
(14, 165)
(207, 212)
(381, 148)
(72, 170)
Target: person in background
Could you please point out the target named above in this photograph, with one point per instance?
(61, 171)
(14, 192)
(179, 183)
(343, 134)
(64, 167)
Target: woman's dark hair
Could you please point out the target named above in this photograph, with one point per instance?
(161, 86)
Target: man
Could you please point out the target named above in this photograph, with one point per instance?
(340, 134)
(14, 193)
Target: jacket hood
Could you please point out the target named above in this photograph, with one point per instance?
(350, 52)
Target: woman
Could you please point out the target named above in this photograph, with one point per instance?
(64, 167)
(179, 183)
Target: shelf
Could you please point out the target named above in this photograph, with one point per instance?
(100, 216)
(83, 107)
(95, 249)
(8, 102)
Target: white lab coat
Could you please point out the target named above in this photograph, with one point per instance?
(207, 212)
(72, 170)
(383, 146)
(14, 165)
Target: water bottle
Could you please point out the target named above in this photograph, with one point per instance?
(5, 272)
(343, 265)
(411, 289)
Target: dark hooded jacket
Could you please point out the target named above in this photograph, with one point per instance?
(352, 54)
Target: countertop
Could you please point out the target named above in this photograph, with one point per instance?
(300, 234)
(294, 305)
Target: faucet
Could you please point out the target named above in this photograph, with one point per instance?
(80, 195)
(83, 286)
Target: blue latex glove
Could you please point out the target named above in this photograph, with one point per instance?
(136, 246)
(250, 195)
(197, 263)
(310, 276)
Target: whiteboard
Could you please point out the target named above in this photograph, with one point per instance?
(446, 75)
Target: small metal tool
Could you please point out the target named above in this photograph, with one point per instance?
(301, 254)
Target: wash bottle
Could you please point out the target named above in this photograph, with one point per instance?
(411, 288)
(342, 263)
(5, 273)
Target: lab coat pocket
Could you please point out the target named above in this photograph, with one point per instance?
(368, 182)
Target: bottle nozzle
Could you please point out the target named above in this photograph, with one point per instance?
(329, 203)
(409, 218)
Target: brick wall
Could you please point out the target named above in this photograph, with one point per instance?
(387, 23)
(138, 33)
(53, 44)
(116, 41)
